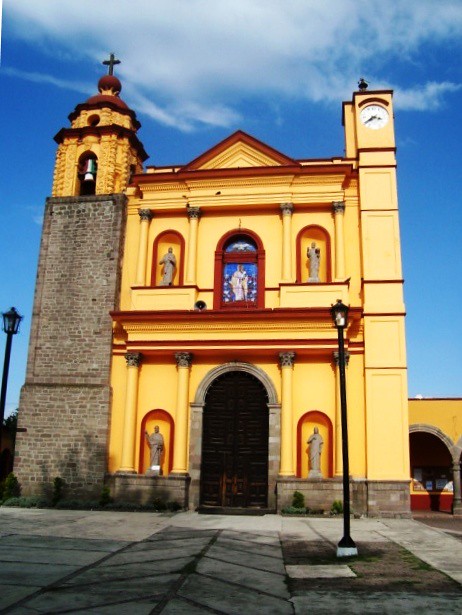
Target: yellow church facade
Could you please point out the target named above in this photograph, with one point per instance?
(269, 349)
(197, 300)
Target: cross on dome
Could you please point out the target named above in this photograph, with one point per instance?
(111, 63)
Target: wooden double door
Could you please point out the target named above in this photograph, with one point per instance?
(234, 469)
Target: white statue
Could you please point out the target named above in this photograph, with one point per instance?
(156, 444)
(315, 443)
(169, 265)
(314, 256)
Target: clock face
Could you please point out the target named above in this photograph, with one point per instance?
(374, 117)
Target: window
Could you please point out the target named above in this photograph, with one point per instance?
(239, 271)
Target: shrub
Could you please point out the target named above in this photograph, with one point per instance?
(174, 506)
(78, 504)
(11, 487)
(126, 507)
(58, 487)
(292, 510)
(33, 501)
(336, 508)
(105, 498)
(159, 504)
(298, 500)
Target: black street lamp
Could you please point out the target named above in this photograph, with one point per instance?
(11, 320)
(346, 547)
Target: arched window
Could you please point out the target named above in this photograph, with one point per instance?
(239, 271)
(86, 174)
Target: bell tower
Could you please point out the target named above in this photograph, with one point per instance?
(65, 401)
(100, 151)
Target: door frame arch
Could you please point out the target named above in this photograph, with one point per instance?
(196, 427)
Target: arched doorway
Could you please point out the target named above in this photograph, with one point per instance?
(431, 471)
(234, 468)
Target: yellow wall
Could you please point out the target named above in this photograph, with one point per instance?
(376, 375)
(444, 414)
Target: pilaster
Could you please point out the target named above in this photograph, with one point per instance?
(145, 221)
(286, 362)
(287, 209)
(133, 360)
(180, 448)
(338, 208)
(191, 260)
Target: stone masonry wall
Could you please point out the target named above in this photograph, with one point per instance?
(65, 402)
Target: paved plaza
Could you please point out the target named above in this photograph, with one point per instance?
(138, 563)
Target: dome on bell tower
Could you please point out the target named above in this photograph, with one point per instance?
(109, 88)
(101, 145)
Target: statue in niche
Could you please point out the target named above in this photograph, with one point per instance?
(169, 265)
(314, 256)
(156, 444)
(315, 442)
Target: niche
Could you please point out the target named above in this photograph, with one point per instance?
(305, 428)
(305, 238)
(164, 241)
(166, 428)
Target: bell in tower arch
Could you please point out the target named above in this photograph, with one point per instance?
(87, 171)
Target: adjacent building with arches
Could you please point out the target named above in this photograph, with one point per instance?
(435, 446)
(197, 297)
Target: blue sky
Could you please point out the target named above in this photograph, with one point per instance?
(197, 70)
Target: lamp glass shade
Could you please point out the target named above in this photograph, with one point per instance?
(11, 320)
(339, 313)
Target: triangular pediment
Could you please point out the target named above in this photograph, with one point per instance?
(238, 151)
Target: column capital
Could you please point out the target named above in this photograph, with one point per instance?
(183, 359)
(286, 208)
(194, 213)
(336, 357)
(286, 359)
(133, 359)
(145, 214)
(338, 207)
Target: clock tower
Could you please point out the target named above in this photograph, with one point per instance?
(370, 142)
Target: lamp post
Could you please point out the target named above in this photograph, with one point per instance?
(346, 547)
(11, 320)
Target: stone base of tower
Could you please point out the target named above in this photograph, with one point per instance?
(63, 434)
(143, 490)
(368, 498)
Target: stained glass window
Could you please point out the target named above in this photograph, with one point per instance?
(241, 245)
(239, 282)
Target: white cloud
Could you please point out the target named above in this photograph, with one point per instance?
(197, 59)
(428, 97)
(36, 214)
(66, 84)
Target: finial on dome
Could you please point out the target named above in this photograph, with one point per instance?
(111, 63)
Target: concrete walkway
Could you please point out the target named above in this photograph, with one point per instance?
(55, 561)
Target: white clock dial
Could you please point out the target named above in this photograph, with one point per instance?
(374, 117)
